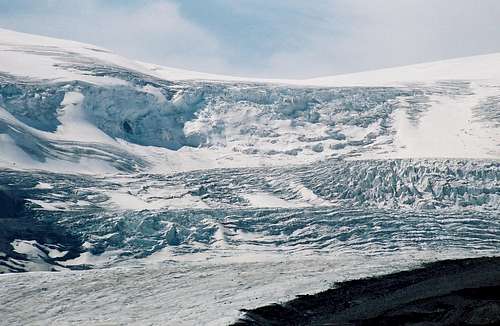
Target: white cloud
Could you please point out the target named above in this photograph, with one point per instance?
(154, 32)
(158, 32)
(277, 38)
(384, 33)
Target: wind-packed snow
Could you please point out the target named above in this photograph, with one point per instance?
(173, 293)
(167, 196)
(449, 129)
(74, 126)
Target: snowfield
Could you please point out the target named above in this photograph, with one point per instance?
(164, 196)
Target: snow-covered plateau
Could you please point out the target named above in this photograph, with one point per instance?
(162, 196)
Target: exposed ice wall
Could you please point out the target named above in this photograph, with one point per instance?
(246, 118)
(331, 205)
(35, 104)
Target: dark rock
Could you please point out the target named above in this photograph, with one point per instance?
(452, 292)
(11, 204)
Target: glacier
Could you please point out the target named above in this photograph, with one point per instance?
(183, 197)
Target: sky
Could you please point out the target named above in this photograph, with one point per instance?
(268, 38)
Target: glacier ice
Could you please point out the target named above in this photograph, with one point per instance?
(211, 193)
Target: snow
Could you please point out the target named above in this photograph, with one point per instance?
(208, 194)
(174, 293)
(24, 63)
(262, 199)
(88, 258)
(50, 206)
(281, 125)
(479, 68)
(309, 196)
(155, 92)
(18, 55)
(131, 202)
(447, 130)
(74, 124)
(43, 185)
(12, 155)
(229, 259)
(32, 249)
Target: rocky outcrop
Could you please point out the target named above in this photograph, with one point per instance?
(10, 203)
(452, 292)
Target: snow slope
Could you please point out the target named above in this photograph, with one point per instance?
(189, 196)
(440, 109)
(37, 57)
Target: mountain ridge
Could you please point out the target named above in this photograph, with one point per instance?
(486, 66)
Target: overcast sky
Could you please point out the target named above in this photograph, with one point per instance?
(268, 38)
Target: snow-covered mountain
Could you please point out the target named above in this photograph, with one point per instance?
(147, 169)
(59, 97)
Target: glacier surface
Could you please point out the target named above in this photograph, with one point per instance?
(171, 197)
